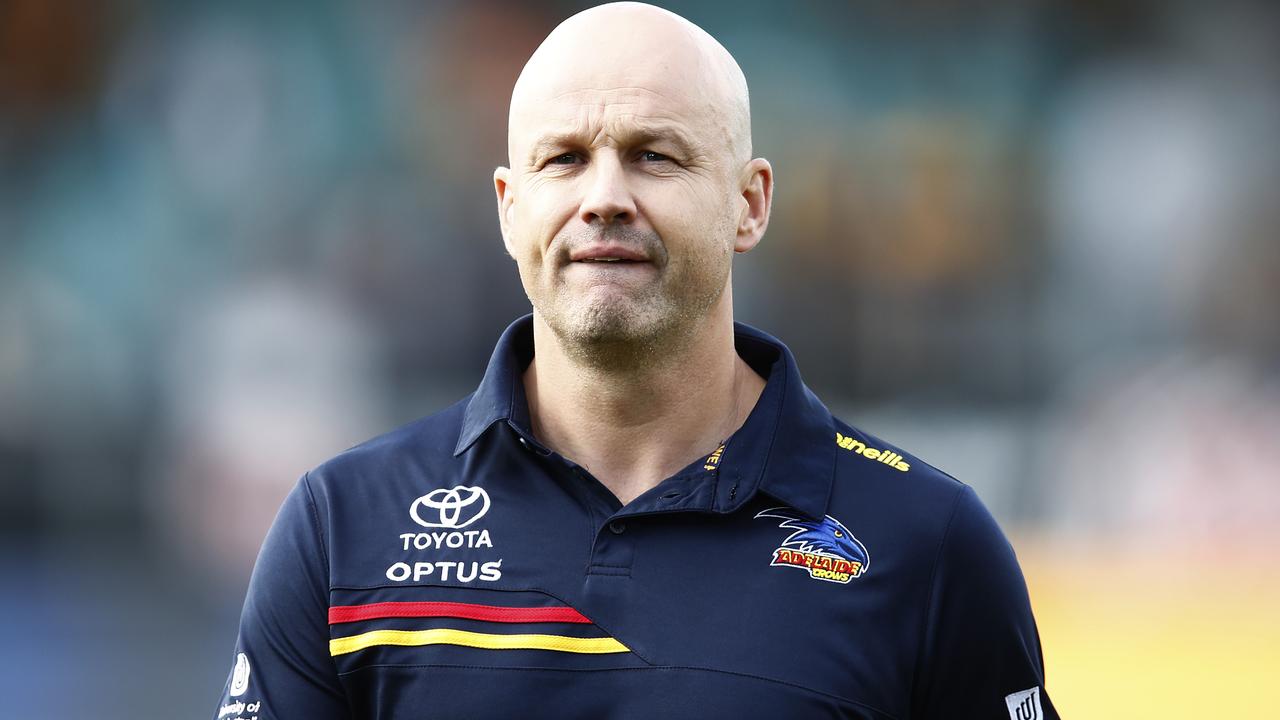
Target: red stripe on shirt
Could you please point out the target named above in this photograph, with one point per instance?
(491, 613)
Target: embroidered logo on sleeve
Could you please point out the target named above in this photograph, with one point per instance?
(1024, 705)
(825, 549)
(236, 709)
(240, 675)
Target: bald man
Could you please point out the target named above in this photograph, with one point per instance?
(641, 512)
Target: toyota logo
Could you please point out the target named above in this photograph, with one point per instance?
(454, 508)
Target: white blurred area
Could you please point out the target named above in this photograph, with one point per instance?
(1181, 456)
(1165, 428)
(261, 382)
(1036, 244)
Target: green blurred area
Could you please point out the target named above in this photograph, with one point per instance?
(1032, 242)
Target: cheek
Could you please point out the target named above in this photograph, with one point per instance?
(535, 220)
(699, 217)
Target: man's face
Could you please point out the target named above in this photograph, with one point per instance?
(621, 206)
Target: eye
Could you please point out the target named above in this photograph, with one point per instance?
(565, 159)
(839, 534)
(651, 156)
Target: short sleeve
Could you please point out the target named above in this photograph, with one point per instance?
(281, 667)
(981, 655)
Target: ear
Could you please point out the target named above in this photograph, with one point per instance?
(506, 199)
(757, 195)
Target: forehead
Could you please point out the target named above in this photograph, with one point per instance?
(608, 94)
(615, 112)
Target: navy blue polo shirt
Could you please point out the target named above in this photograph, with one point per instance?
(457, 568)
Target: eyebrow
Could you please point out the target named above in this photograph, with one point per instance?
(641, 135)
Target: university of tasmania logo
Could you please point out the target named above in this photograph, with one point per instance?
(825, 549)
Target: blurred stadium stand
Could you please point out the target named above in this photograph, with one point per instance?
(1034, 242)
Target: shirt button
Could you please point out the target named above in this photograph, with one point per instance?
(525, 444)
(617, 527)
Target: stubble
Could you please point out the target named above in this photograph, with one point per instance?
(631, 328)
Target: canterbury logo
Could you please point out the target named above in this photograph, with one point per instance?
(890, 458)
(1024, 705)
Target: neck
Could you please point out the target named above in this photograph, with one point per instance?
(633, 424)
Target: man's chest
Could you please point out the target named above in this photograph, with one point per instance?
(493, 600)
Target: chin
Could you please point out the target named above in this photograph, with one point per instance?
(609, 322)
(614, 326)
(612, 322)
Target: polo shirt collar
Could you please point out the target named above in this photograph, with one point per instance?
(500, 395)
(786, 448)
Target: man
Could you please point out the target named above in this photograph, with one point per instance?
(641, 512)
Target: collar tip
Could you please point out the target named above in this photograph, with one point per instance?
(464, 444)
(814, 510)
(813, 507)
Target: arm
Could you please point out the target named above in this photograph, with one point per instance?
(980, 655)
(281, 663)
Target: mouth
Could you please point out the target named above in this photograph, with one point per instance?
(610, 260)
(608, 254)
(611, 269)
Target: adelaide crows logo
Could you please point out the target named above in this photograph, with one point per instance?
(826, 549)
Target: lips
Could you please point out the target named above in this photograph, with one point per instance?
(617, 254)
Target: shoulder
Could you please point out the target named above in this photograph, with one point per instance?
(899, 500)
(871, 466)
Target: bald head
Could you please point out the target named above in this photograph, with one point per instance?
(645, 61)
(631, 184)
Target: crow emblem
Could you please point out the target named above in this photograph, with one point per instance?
(825, 548)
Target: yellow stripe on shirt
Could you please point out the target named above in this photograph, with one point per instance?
(448, 636)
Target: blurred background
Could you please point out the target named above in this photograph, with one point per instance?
(1035, 242)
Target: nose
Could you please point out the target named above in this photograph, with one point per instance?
(607, 199)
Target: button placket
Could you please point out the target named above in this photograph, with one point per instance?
(614, 549)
